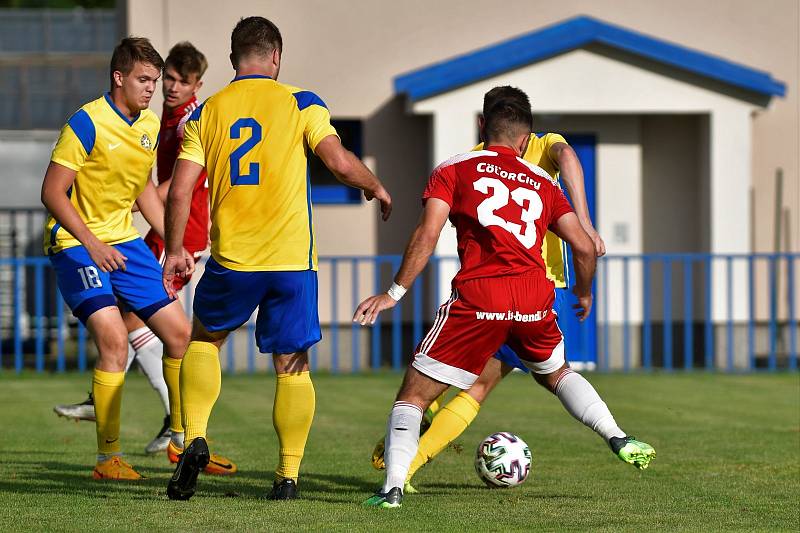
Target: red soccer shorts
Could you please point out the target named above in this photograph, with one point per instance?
(481, 316)
(156, 245)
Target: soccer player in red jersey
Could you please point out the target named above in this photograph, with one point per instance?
(501, 206)
(183, 71)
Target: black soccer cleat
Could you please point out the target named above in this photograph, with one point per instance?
(192, 461)
(284, 490)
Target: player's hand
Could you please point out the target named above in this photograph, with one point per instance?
(367, 312)
(599, 245)
(176, 265)
(382, 195)
(584, 306)
(107, 258)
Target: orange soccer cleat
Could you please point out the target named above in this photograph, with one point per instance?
(115, 468)
(217, 464)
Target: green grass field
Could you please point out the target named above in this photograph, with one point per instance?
(728, 459)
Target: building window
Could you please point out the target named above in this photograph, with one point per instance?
(325, 188)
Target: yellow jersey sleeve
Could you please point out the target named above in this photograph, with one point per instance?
(551, 139)
(318, 125)
(192, 148)
(478, 147)
(75, 142)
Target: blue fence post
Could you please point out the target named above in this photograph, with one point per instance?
(792, 320)
(626, 317)
(39, 297)
(688, 311)
(751, 313)
(231, 366)
(376, 327)
(251, 346)
(773, 313)
(606, 264)
(397, 326)
(334, 317)
(18, 273)
(355, 335)
(729, 325)
(708, 356)
(647, 332)
(81, 347)
(666, 273)
(61, 363)
(417, 294)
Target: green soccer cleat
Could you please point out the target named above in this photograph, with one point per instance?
(389, 500)
(632, 451)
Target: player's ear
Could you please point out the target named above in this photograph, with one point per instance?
(481, 124)
(276, 58)
(197, 87)
(233, 62)
(117, 76)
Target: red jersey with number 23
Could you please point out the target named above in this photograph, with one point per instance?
(501, 207)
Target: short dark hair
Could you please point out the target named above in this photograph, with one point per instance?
(187, 60)
(254, 35)
(504, 92)
(132, 50)
(506, 119)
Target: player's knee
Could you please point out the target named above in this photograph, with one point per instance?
(113, 346)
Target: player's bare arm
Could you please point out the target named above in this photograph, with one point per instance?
(583, 257)
(57, 181)
(415, 258)
(352, 172)
(176, 261)
(572, 174)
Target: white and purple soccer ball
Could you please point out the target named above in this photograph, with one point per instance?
(503, 460)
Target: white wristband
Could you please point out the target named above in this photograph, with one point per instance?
(396, 292)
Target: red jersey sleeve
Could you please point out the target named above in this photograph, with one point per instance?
(441, 185)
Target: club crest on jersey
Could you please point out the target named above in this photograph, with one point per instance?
(146, 142)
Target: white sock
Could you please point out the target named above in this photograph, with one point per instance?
(131, 355)
(402, 441)
(581, 400)
(149, 351)
(177, 439)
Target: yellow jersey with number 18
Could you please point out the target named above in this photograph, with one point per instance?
(553, 249)
(252, 137)
(112, 156)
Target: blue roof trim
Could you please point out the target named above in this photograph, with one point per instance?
(128, 121)
(307, 99)
(569, 35)
(196, 113)
(83, 127)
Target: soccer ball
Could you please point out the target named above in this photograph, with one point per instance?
(503, 460)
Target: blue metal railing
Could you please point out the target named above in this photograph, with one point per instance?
(659, 311)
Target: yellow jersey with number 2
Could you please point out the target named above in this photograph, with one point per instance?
(252, 137)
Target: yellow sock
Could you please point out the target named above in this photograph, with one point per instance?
(200, 382)
(291, 415)
(446, 427)
(107, 393)
(172, 376)
(437, 403)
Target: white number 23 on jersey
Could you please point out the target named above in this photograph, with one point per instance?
(499, 199)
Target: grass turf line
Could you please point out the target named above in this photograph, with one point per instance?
(728, 459)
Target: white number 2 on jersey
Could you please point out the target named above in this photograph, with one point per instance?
(499, 199)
